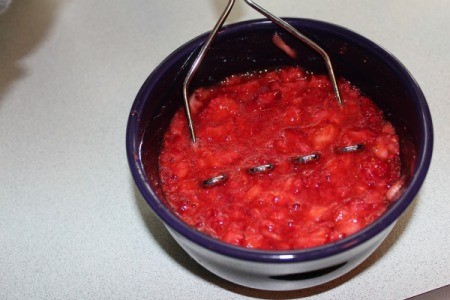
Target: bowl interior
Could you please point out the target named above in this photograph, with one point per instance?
(248, 46)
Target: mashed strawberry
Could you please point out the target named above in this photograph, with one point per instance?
(296, 169)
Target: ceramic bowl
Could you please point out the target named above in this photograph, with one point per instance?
(247, 46)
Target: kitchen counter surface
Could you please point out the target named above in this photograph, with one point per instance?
(72, 223)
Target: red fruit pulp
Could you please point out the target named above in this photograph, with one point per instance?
(273, 117)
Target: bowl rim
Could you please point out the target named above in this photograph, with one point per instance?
(133, 147)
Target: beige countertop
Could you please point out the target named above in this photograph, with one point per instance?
(72, 223)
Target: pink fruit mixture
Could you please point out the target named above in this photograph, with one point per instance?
(274, 117)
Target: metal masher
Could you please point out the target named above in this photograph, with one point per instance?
(304, 159)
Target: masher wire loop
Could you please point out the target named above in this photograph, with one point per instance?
(304, 159)
(261, 169)
(351, 148)
(299, 160)
(276, 20)
(213, 181)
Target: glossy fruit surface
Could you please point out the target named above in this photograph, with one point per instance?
(301, 170)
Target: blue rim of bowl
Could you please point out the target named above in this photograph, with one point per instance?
(133, 147)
